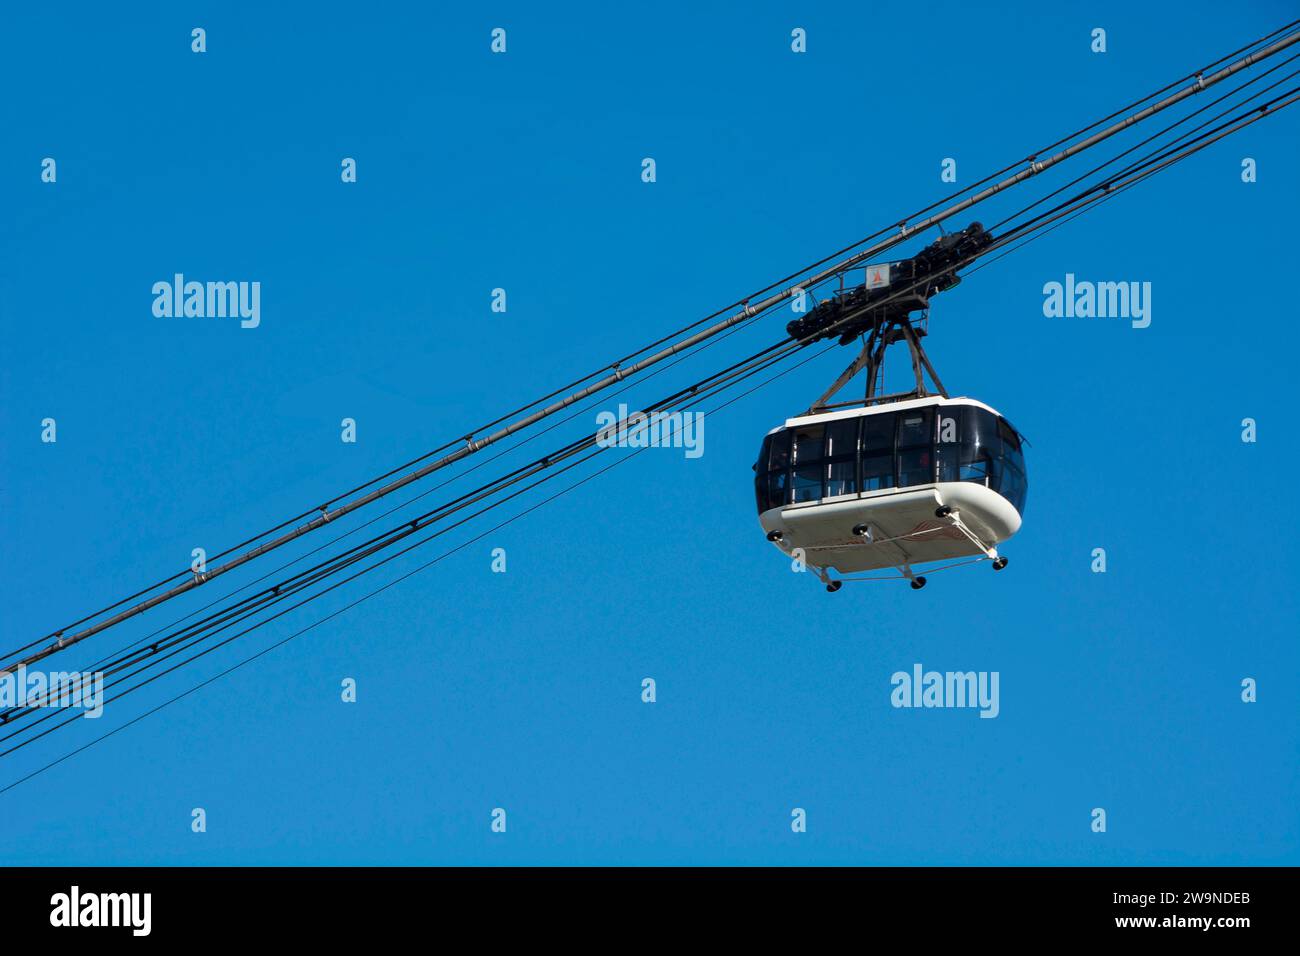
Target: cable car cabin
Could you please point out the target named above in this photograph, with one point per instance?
(892, 486)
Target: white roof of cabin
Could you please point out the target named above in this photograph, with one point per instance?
(837, 414)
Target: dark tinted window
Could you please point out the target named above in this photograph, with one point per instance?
(841, 478)
(1014, 484)
(842, 438)
(807, 485)
(915, 447)
(772, 474)
(915, 467)
(841, 457)
(947, 426)
(947, 443)
(878, 450)
(763, 454)
(988, 453)
(915, 428)
(977, 471)
(878, 434)
(809, 452)
(760, 475)
(877, 471)
(1011, 444)
(980, 441)
(779, 456)
(809, 444)
(777, 485)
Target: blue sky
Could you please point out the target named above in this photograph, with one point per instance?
(522, 690)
